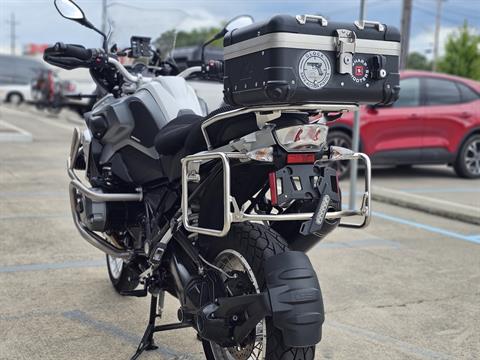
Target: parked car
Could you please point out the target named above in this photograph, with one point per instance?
(435, 121)
(16, 76)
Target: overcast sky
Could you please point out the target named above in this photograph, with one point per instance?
(40, 23)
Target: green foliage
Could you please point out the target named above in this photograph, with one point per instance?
(417, 61)
(195, 37)
(462, 54)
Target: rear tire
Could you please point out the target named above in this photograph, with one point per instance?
(467, 164)
(255, 243)
(121, 277)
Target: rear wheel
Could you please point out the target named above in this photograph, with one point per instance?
(342, 139)
(121, 277)
(467, 164)
(245, 249)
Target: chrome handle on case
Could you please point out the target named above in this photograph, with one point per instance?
(302, 19)
(366, 23)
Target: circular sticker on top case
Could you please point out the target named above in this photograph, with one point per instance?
(360, 71)
(314, 69)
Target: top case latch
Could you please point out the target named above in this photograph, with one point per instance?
(345, 44)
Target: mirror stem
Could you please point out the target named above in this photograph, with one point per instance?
(216, 37)
(89, 25)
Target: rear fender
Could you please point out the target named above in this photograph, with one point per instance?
(295, 298)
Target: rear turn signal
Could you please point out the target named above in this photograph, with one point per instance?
(263, 154)
(308, 158)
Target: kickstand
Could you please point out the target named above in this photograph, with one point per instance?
(147, 343)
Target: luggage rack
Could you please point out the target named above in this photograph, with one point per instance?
(271, 112)
(190, 172)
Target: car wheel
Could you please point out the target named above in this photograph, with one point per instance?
(15, 99)
(342, 139)
(467, 164)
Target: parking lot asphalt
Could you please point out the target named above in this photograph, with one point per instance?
(438, 182)
(407, 287)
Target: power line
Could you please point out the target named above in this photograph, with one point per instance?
(444, 18)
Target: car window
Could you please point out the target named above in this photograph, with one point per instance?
(441, 92)
(409, 93)
(467, 93)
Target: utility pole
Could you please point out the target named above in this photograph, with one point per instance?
(13, 25)
(438, 19)
(406, 19)
(104, 16)
(356, 134)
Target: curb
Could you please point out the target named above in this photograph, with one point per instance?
(447, 209)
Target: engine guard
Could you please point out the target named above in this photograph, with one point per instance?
(292, 299)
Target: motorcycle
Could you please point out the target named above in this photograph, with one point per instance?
(216, 209)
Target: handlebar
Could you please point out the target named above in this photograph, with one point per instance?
(71, 56)
(71, 50)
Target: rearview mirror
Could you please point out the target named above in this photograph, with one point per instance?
(239, 22)
(69, 10)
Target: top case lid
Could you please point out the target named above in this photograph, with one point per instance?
(290, 24)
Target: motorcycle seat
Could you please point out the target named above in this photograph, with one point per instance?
(172, 137)
(184, 132)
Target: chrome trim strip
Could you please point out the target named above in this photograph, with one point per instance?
(307, 42)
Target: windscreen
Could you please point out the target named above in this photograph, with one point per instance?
(127, 20)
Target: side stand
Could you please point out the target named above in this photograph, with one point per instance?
(147, 343)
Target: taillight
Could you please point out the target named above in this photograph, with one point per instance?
(310, 137)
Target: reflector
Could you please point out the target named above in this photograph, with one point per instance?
(307, 158)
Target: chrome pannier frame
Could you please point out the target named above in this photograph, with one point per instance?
(191, 172)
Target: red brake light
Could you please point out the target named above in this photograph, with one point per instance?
(308, 158)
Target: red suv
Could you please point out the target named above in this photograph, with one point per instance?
(436, 120)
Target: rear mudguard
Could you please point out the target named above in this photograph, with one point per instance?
(295, 298)
(292, 299)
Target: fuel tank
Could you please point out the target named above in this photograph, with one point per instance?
(126, 127)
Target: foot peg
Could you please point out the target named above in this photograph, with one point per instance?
(136, 293)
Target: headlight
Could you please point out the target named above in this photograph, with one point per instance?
(311, 137)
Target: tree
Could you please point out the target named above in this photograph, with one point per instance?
(417, 61)
(462, 54)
